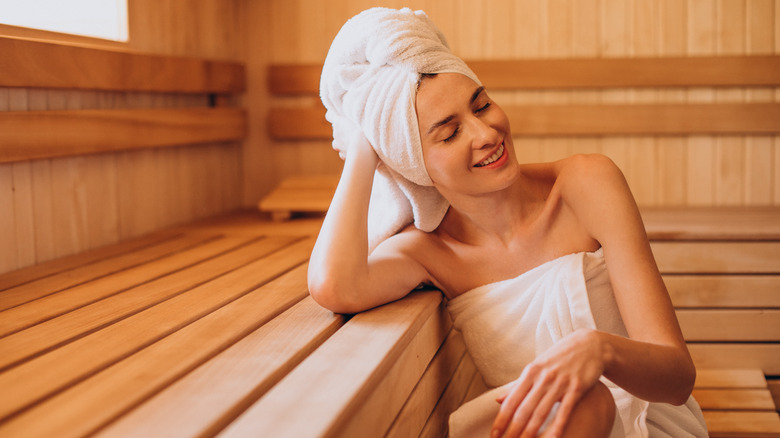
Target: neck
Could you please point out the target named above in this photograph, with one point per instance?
(492, 217)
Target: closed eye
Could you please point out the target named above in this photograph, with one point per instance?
(452, 137)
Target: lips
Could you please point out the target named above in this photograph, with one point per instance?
(492, 158)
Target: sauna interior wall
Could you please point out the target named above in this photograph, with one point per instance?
(54, 207)
(697, 170)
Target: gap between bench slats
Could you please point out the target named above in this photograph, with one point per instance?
(217, 259)
(71, 364)
(27, 135)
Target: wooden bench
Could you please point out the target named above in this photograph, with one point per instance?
(208, 329)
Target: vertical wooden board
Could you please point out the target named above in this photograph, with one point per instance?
(528, 24)
(557, 44)
(69, 205)
(43, 215)
(701, 42)
(138, 193)
(472, 15)
(8, 258)
(102, 210)
(285, 43)
(23, 213)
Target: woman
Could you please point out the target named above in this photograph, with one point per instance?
(518, 250)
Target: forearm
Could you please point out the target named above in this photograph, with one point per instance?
(653, 372)
(340, 255)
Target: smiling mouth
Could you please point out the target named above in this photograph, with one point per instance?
(492, 158)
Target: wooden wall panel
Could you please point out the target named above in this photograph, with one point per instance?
(695, 170)
(55, 207)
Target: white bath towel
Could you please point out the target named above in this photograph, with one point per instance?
(368, 86)
(507, 324)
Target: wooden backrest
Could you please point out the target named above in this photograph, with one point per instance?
(26, 135)
(682, 118)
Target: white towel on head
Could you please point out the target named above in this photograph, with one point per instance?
(368, 86)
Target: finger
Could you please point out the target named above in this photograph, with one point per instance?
(564, 413)
(509, 387)
(524, 412)
(509, 404)
(542, 412)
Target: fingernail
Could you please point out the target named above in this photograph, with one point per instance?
(495, 433)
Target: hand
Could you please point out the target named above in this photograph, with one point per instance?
(348, 136)
(564, 373)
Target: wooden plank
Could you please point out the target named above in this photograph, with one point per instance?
(712, 325)
(730, 378)
(581, 120)
(452, 398)
(82, 408)
(39, 64)
(731, 291)
(415, 412)
(206, 400)
(373, 341)
(717, 257)
(734, 399)
(50, 373)
(742, 424)
(580, 73)
(33, 312)
(45, 286)
(45, 269)
(718, 223)
(28, 135)
(762, 356)
(57, 331)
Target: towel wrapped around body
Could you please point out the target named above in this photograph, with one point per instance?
(505, 325)
(368, 86)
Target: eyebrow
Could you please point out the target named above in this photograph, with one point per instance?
(449, 118)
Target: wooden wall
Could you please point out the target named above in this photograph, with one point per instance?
(661, 171)
(55, 207)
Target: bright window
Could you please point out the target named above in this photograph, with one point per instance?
(106, 19)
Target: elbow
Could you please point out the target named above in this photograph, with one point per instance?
(687, 379)
(330, 295)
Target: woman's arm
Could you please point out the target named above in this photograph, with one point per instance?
(342, 276)
(653, 363)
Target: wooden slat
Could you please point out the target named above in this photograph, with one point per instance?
(581, 73)
(28, 135)
(734, 399)
(373, 341)
(730, 378)
(58, 331)
(754, 325)
(44, 375)
(761, 356)
(582, 120)
(38, 64)
(717, 257)
(718, 223)
(45, 269)
(731, 291)
(45, 286)
(412, 417)
(84, 407)
(741, 424)
(206, 400)
(465, 378)
(50, 306)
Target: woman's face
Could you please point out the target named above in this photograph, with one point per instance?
(466, 140)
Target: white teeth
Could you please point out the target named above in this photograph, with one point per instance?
(493, 157)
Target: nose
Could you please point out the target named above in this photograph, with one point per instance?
(485, 136)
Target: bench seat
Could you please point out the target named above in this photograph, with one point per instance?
(207, 329)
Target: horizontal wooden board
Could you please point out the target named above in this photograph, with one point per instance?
(730, 378)
(28, 135)
(761, 356)
(735, 399)
(581, 73)
(581, 120)
(724, 291)
(38, 64)
(742, 424)
(717, 257)
(746, 325)
(712, 223)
